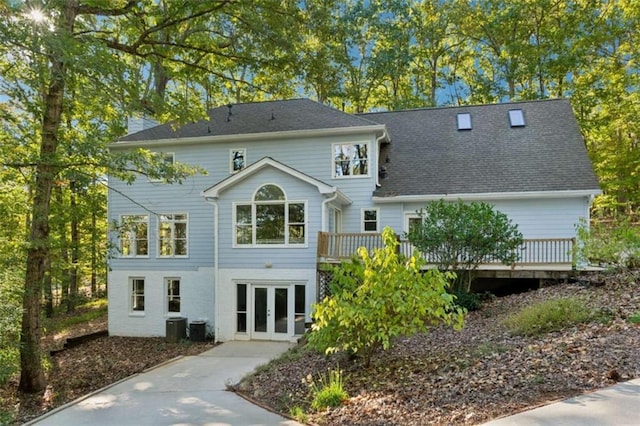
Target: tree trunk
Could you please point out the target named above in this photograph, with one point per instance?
(61, 231)
(31, 374)
(94, 254)
(48, 290)
(75, 242)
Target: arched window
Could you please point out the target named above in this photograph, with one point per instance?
(270, 219)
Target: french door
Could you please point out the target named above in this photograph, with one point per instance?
(270, 319)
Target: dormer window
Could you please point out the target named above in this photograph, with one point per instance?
(516, 118)
(464, 121)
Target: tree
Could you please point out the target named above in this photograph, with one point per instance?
(84, 64)
(379, 296)
(459, 236)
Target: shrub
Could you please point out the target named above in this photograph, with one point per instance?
(380, 296)
(547, 316)
(328, 391)
(459, 236)
(616, 244)
(468, 300)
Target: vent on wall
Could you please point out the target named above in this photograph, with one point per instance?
(516, 118)
(464, 121)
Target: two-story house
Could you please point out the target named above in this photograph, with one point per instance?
(237, 248)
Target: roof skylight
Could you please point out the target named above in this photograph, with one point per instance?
(464, 121)
(516, 118)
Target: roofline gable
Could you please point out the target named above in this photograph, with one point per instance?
(214, 191)
(248, 137)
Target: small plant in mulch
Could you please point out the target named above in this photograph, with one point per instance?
(635, 319)
(327, 391)
(547, 316)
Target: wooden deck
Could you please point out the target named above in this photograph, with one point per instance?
(548, 258)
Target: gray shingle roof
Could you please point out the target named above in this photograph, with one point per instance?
(428, 155)
(273, 116)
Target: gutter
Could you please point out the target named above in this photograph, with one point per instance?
(216, 270)
(481, 196)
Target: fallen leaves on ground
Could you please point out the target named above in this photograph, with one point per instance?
(478, 373)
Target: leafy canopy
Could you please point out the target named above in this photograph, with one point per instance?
(459, 236)
(378, 296)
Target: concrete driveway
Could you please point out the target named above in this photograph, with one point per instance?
(617, 405)
(188, 391)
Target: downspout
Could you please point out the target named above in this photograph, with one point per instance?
(216, 274)
(325, 203)
(384, 135)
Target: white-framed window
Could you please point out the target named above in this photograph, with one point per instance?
(134, 236)
(410, 220)
(241, 308)
(370, 220)
(237, 159)
(270, 219)
(350, 160)
(335, 220)
(169, 159)
(173, 295)
(136, 286)
(172, 235)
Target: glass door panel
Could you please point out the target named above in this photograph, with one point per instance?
(260, 310)
(281, 308)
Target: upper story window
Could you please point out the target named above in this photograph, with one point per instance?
(172, 235)
(168, 158)
(134, 235)
(370, 220)
(270, 219)
(350, 160)
(238, 159)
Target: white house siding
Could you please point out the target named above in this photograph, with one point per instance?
(227, 301)
(289, 257)
(536, 218)
(196, 304)
(311, 155)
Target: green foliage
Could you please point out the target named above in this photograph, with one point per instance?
(635, 318)
(614, 244)
(459, 236)
(10, 317)
(328, 391)
(550, 315)
(298, 413)
(468, 300)
(86, 312)
(379, 296)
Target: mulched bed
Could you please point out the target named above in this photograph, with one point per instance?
(476, 374)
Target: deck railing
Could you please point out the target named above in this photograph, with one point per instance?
(539, 251)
